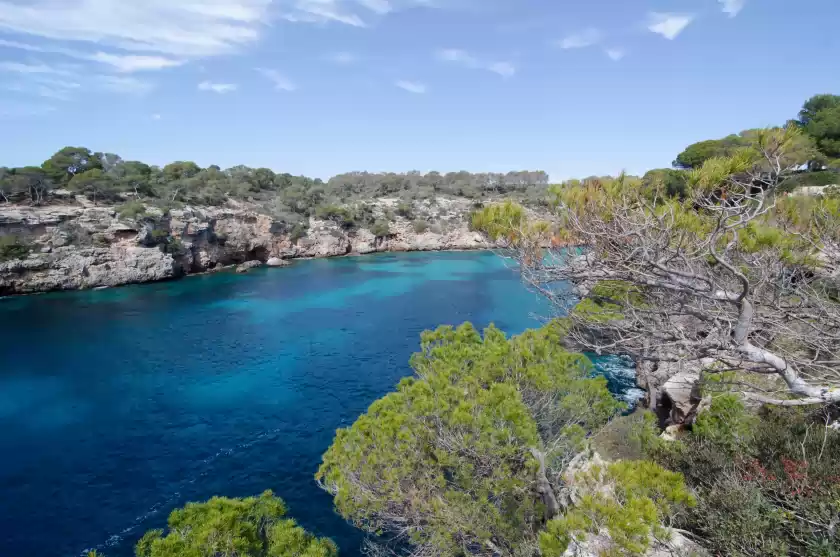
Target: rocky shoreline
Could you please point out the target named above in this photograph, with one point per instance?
(81, 246)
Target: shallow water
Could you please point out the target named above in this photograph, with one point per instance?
(118, 405)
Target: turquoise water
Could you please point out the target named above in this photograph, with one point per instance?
(117, 406)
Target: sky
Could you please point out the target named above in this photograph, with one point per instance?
(320, 87)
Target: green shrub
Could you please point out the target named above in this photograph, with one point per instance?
(767, 483)
(342, 216)
(298, 231)
(404, 210)
(420, 226)
(252, 527)
(380, 229)
(132, 210)
(644, 495)
(12, 247)
(726, 423)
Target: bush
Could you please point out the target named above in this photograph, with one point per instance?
(643, 496)
(342, 216)
(767, 483)
(132, 210)
(380, 229)
(420, 226)
(12, 247)
(253, 527)
(298, 231)
(405, 210)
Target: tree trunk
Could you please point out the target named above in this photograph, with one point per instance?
(544, 489)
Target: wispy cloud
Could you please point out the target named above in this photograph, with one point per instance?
(281, 82)
(732, 7)
(457, 56)
(33, 68)
(587, 37)
(342, 58)
(179, 29)
(669, 25)
(615, 54)
(132, 63)
(156, 116)
(124, 84)
(220, 88)
(377, 6)
(504, 69)
(124, 63)
(412, 86)
(358, 13)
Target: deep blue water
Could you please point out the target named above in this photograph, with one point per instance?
(117, 406)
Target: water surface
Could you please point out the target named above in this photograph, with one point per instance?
(117, 406)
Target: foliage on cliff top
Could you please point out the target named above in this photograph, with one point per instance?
(628, 501)
(463, 455)
(249, 527)
(767, 481)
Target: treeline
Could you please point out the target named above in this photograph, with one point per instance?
(818, 149)
(106, 177)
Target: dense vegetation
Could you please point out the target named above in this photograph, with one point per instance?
(249, 527)
(107, 178)
(817, 150)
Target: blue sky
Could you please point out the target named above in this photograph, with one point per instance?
(318, 87)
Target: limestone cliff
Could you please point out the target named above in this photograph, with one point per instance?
(78, 245)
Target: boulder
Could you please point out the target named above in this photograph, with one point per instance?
(681, 395)
(277, 262)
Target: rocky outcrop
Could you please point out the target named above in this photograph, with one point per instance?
(248, 265)
(78, 245)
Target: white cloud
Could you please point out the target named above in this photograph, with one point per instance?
(615, 54)
(357, 13)
(669, 25)
(220, 88)
(185, 29)
(32, 68)
(504, 69)
(133, 63)
(322, 11)
(587, 37)
(732, 7)
(377, 6)
(281, 82)
(124, 84)
(120, 62)
(156, 116)
(457, 56)
(343, 58)
(412, 86)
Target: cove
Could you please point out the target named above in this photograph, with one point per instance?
(117, 406)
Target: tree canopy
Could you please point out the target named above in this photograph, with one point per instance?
(729, 279)
(463, 458)
(249, 527)
(820, 118)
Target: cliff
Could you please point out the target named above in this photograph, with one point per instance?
(79, 245)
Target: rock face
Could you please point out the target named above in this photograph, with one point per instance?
(672, 390)
(77, 245)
